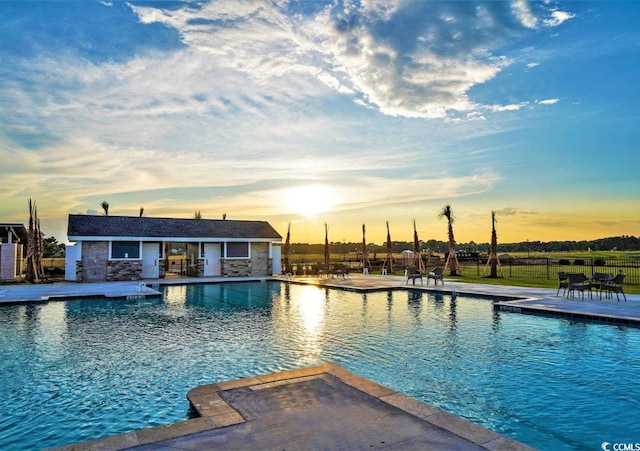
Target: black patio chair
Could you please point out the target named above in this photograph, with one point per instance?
(436, 274)
(578, 282)
(413, 274)
(615, 286)
(599, 279)
(563, 282)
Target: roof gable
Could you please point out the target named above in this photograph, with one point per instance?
(133, 226)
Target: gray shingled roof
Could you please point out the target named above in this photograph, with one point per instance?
(133, 226)
(18, 230)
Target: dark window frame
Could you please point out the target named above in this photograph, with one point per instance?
(236, 248)
(125, 250)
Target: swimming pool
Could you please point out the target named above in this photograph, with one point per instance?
(83, 369)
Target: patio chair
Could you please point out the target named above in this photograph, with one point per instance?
(563, 282)
(578, 282)
(436, 274)
(615, 286)
(323, 271)
(413, 274)
(599, 279)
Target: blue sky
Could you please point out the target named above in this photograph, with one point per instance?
(344, 112)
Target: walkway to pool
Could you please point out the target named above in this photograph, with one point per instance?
(324, 407)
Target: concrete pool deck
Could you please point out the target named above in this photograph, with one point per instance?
(323, 407)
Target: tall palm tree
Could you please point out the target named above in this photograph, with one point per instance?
(105, 207)
(365, 255)
(326, 245)
(34, 245)
(287, 251)
(389, 251)
(416, 249)
(494, 246)
(494, 260)
(452, 260)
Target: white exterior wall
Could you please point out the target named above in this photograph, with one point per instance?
(276, 258)
(70, 262)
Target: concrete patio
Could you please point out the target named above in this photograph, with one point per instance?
(324, 407)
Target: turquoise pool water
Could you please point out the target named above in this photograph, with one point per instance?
(82, 369)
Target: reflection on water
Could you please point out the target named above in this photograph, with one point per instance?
(95, 367)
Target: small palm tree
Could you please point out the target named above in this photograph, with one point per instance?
(493, 261)
(197, 215)
(494, 247)
(452, 260)
(105, 207)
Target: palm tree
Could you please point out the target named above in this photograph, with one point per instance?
(389, 251)
(34, 246)
(365, 255)
(494, 260)
(197, 215)
(287, 251)
(105, 207)
(141, 211)
(452, 260)
(416, 249)
(326, 245)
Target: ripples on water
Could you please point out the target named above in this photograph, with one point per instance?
(78, 370)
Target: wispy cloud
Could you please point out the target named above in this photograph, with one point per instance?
(437, 52)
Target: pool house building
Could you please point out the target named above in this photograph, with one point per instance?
(13, 242)
(112, 248)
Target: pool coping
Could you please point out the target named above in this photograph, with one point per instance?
(216, 414)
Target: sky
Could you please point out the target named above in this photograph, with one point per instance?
(338, 112)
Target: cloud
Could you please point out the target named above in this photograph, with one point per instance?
(558, 18)
(548, 101)
(412, 59)
(512, 211)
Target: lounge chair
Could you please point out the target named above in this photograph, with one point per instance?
(615, 286)
(436, 274)
(563, 282)
(413, 274)
(578, 282)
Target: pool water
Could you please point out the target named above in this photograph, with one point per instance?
(82, 369)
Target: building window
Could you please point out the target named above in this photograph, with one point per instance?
(237, 250)
(125, 249)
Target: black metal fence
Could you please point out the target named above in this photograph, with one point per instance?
(548, 268)
(511, 267)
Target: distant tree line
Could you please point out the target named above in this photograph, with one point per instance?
(619, 243)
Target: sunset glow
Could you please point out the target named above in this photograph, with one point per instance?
(339, 112)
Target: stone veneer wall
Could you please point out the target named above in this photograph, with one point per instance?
(162, 267)
(234, 267)
(79, 271)
(260, 261)
(8, 254)
(259, 265)
(124, 270)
